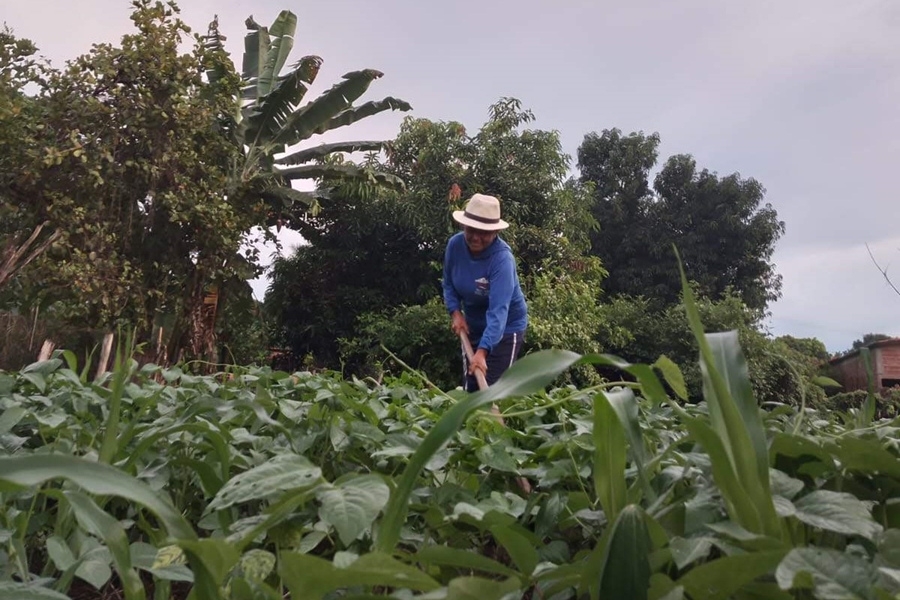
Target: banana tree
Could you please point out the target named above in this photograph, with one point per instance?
(272, 124)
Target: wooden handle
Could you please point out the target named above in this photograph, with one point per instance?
(522, 482)
(467, 348)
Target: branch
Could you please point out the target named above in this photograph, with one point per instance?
(883, 271)
(14, 259)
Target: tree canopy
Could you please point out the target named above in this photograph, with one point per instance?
(721, 226)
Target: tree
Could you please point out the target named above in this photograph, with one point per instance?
(271, 123)
(724, 233)
(159, 168)
(24, 231)
(376, 254)
(869, 339)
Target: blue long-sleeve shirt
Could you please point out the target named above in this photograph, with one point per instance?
(486, 289)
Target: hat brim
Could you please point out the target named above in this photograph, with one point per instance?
(460, 217)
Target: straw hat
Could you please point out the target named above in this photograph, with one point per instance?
(482, 212)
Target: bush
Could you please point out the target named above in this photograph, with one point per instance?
(564, 313)
(780, 369)
(419, 335)
(887, 405)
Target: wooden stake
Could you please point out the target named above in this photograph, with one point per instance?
(105, 351)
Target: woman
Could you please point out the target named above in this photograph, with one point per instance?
(482, 292)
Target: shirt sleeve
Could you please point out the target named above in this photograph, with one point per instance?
(451, 297)
(502, 278)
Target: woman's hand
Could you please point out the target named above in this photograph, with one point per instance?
(479, 362)
(458, 323)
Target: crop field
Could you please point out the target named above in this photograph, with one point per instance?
(256, 484)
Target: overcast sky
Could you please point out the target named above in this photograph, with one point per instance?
(803, 95)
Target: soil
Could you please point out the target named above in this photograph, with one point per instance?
(81, 590)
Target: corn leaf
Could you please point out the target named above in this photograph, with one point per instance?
(609, 458)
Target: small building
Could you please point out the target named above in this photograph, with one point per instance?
(850, 369)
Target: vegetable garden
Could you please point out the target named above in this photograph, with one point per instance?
(154, 482)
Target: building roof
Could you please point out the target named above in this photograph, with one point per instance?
(894, 341)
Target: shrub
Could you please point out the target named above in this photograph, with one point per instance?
(419, 335)
(887, 405)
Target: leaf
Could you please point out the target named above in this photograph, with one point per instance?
(94, 567)
(734, 415)
(352, 505)
(476, 588)
(889, 547)
(281, 42)
(168, 556)
(11, 590)
(102, 525)
(719, 579)
(7, 384)
(497, 457)
(44, 367)
(254, 566)
(837, 511)
(144, 557)
(689, 550)
(625, 405)
(352, 115)
(663, 588)
(547, 519)
(618, 567)
(520, 549)
(309, 120)
(211, 559)
(626, 570)
(867, 456)
(463, 559)
(527, 375)
(832, 575)
(609, 457)
(282, 473)
(267, 115)
(822, 381)
(37, 380)
(784, 485)
(341, 171)
(310, 577)
(11, 417)
(60, 553)
(323, 150)
(673, 376)
(18, 472)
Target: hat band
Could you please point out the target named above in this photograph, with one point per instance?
(481, 219)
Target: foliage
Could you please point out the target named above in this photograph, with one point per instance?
(868, 339)
(417, 334)
(525, 168)
(272, 123)
(375, 253)
(157, 171)
(887, 402)
(724, 232)
(251, 482)
(564, 311)
(136, 180)
(359, 258)
(782, 370)
(23, 138)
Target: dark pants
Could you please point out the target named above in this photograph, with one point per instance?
(499, 360)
